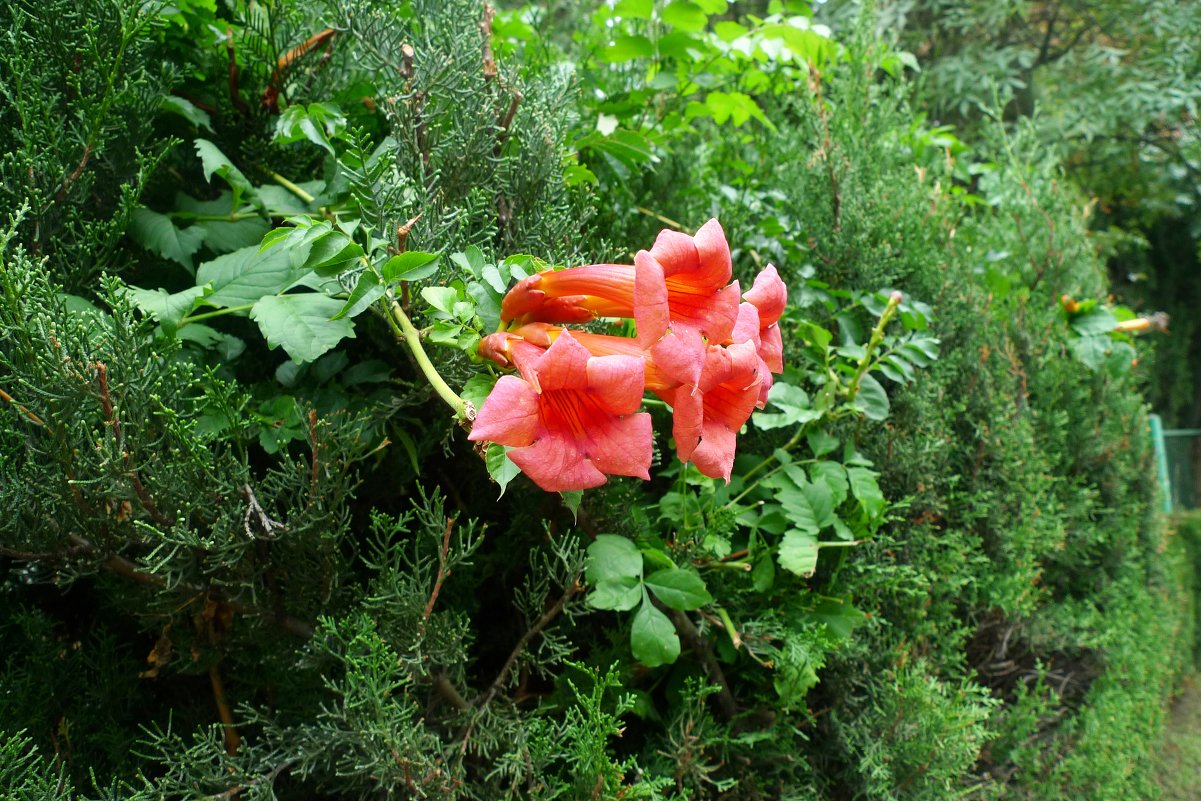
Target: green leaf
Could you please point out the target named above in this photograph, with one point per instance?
(367, 290)
(332, 253)
(685, 16)
(620, 594)
(301, 324)
(501, 468)
(795, 503)
(611, 557)
(821, 442)
(1091, 351)
(652, 636)
(477, 388)
(572, 500)
(839, 616)
(821, 500)
(168, 309)
(871, 399)
(213, 161)
(798, 552)
(174, 104)
(794, 405)
(867, 491)
(834, 476)
(679, 589)
(315, 122)
(441, 298)
(634, 9)
(157, 233)
(412, 265)
(627, 48)
(1098, 320)
(242, 277)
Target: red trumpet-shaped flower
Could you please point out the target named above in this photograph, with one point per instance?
(707, 414)
(682, 282)
(571, 419)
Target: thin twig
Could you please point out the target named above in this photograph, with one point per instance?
(32, 417)
(726, 707)
(268, 526)
(232, 740)
(443, 572)
(541, 623)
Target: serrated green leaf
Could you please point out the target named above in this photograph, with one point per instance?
(839, 616)
(653, 638)
(477, 389)
(409, 266)
(821, 443)
(798, 552)
(871, 399)
(679, 589)
(441, 298)
(167, 308)
(794, 408)
(866, 490)
(214, 162)
(301, 324)
(367, 290)
(332, 253)
(242, 277)
(174, 104)
(834, 476)
(501, 468)
(157, 233)
(1098, 320)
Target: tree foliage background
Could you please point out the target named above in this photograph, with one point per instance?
(249, 552)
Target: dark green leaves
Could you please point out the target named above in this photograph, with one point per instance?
(614, 570)
(301, 324)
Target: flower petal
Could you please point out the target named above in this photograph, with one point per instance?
(557, 465)
(769, 294)
(713, 252)
(771, 348)
(624, 446)
(510, 414)
(564, 365)
(617, 382)
(652, 313)
(676, 252)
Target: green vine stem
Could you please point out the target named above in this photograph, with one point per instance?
(894, 300)
(404, 329)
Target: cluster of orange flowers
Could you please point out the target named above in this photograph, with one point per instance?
(703, 346)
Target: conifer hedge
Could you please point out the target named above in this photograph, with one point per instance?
(249, 551)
